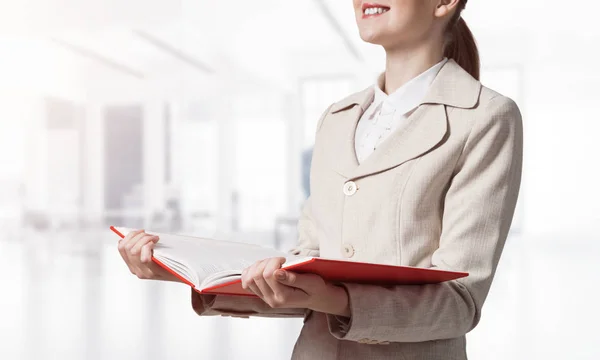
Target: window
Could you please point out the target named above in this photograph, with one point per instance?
(317, 94)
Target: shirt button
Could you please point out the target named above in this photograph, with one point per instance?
(350, 188)
(348, 250)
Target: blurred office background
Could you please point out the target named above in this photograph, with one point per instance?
(198, 117)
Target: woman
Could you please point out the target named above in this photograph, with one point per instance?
(422, 169)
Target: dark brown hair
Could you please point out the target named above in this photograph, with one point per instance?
(461, 45)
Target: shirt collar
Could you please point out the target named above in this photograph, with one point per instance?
(465, 93)
(409, 95)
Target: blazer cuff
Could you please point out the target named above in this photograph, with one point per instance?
(211, 305)
(338, 325)
(238, 306)
(358, 326)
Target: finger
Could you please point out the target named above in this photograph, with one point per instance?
(123, 253)
(137, 248)
(248, 280)
(123, 250)
(128, 237)
(132, 234)
(247, 276)
(260, 281)
(268, 274)
(133, 260)
(243, 278)
(130, 243)
(304, 282)
(252, 287)
(146, 253)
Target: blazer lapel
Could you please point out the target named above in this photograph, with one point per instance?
(425, 128)
(351, 109)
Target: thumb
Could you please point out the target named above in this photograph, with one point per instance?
(285, 277)
(303, 282)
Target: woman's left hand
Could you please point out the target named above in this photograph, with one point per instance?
(285, 289)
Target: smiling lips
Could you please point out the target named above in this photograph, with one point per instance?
(373, 10)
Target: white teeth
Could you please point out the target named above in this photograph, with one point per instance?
(373, 11)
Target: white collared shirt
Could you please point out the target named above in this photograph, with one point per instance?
(387, 113)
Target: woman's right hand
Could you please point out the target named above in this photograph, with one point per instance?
(136, 249)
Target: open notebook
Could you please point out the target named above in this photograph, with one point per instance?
(215, 266)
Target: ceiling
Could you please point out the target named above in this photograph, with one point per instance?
(98, 43)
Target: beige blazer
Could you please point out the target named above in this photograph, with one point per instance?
(440, 192)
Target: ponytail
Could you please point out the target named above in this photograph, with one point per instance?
(461, 45)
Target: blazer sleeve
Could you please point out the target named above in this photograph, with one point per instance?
(238, 306)
(478, 211)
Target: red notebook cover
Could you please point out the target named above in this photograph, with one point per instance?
(342, 271)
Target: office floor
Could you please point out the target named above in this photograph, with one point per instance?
(68, 296)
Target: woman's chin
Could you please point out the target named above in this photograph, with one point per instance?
(372, 37)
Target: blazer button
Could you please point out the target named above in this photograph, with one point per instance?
(350, 188)
(348, 250)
